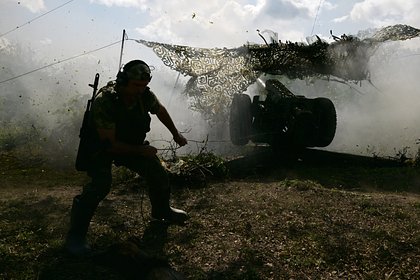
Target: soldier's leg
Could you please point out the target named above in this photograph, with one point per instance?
(159, 189)
(84, 206)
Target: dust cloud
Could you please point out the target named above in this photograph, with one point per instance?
(380, 117)
(42, 112)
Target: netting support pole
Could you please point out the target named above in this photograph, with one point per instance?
(122, 49)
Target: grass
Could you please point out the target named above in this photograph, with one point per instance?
(311, 220)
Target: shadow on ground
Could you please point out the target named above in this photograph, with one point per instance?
(135, 258)
(331, 169)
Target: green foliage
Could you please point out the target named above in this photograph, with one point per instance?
(198, 168)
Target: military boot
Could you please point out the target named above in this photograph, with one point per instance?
(161, 211)
(76, 243)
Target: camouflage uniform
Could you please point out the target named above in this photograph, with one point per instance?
(131, 125)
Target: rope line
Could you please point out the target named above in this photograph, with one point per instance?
(38, 17)
(316, 17)
(58, 62)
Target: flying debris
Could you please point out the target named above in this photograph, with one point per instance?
(220, 74)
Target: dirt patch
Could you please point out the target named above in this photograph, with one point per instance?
(272, 221)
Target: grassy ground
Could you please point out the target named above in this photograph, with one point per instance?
(326, 217)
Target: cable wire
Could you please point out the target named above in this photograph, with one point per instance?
(58, 62)
(38, 17)
(316, 17)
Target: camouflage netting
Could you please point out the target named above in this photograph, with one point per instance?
(218, 73)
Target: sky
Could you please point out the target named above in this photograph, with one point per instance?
(80, 26)
(83, 25)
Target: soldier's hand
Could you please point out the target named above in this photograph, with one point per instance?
(180, 139)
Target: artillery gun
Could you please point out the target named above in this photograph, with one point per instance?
(219, 76)
(282, 119)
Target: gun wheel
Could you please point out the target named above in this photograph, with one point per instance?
(240, 120)
(325, 111)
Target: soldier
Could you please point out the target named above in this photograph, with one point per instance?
(119, 121)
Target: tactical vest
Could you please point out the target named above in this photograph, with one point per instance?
(131, 124)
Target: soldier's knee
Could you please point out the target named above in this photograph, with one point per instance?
(157, 167)
(158, 173)
(103, 187)
(103, 192)
(97, 190)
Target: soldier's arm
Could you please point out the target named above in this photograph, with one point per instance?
(166, 119)
(118, 148)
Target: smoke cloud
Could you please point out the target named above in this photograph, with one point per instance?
(382, 117)
(41, 113)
